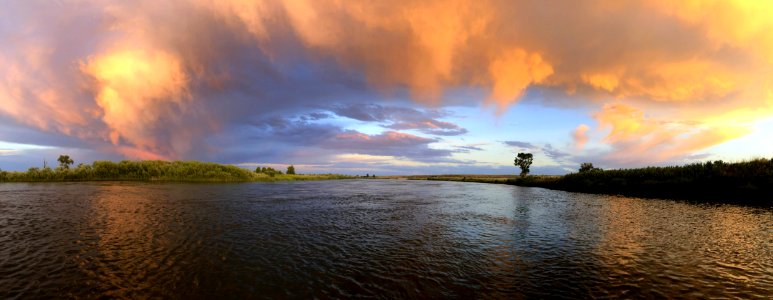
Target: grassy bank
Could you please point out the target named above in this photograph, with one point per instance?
(748, 182)
(189, 171)
(503, 179)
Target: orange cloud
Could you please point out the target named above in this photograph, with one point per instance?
(137, 71)
(738, 23)
(136, 153)
(580, 136)
(136, 91)
(634, 50)
(425, 46)
(513, 73)
(679, 81)
(635, 137)
(32, 93)
(625, 122)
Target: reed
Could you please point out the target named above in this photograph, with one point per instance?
(154, 170)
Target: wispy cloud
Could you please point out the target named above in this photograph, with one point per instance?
(5, 152)
(520, 144)
(401, 118)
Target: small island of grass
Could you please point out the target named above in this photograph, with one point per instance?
(155, 170)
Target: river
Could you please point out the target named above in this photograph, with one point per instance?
(381, 238)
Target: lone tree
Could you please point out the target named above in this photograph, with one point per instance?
(523, 160)
(65, 161)
(290, 170)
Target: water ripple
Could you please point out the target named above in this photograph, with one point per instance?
(372, 239)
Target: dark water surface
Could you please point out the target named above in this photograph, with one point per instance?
(372, 238)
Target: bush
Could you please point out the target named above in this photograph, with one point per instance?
(734, 182)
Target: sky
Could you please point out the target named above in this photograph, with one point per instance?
(387, 87)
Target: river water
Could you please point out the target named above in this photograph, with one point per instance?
(375, 238)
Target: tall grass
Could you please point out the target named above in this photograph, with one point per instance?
(746, 182)
(740, 182)
(151, 170)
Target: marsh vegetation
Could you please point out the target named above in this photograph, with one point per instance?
(154, 170)
(746, 182)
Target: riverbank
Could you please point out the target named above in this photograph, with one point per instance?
(747, 183)
(182, 171)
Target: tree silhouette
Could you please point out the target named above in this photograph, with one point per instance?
(523, 160)
(65, 161)
(290, 170)
(588, 167)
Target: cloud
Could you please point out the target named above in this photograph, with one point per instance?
(300, 132)
(401, 118)
(580, 137)
(555, 154)
(433, 127)
(639, 49)
(138, 90)
(334, 139)
(6, 152)
(385, 161)
(315, 116)
(472, 147)
(371, 112)
(163, 79)
(389, 143)
(635, 137)
(520, 144)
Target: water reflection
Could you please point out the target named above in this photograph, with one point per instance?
(372, 237)
(131, 249)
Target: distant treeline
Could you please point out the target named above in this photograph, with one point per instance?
(747, 182)
(151, 170)
(741, 182)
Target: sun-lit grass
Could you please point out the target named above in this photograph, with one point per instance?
(154, 170)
